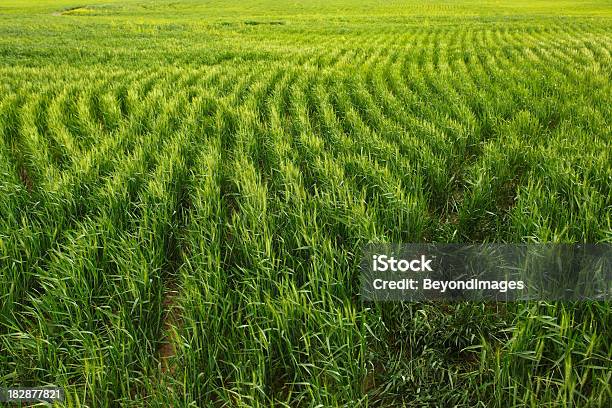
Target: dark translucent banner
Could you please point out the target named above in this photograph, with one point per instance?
(498, 272)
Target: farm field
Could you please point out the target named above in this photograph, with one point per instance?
(186, 186)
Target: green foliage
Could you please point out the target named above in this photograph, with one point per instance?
(185, 187)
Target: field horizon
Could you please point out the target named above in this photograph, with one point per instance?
(186, 188)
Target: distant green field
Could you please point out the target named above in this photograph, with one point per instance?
(186, 186)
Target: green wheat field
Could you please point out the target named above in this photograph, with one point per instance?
(186, 186)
